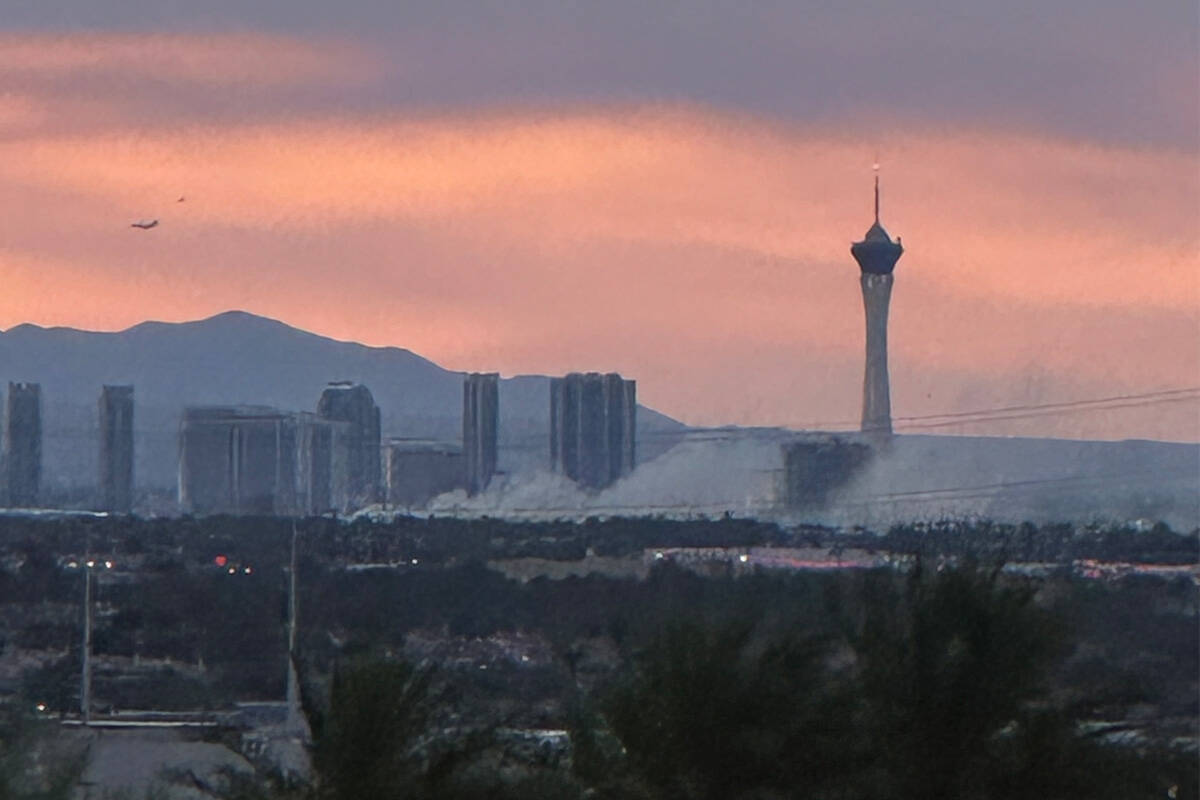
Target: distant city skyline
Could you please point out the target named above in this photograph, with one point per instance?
(668, 194)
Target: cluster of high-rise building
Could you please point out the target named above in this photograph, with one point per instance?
(417, 470)
(248, 459)
(592, 421)
(261, 460)
(21, 454)
(257, 460)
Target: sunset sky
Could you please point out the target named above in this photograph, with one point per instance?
(668, 190)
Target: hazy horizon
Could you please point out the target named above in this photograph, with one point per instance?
(1019, 421)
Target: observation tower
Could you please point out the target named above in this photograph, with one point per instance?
(876, 255)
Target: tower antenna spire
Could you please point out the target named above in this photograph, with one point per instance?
(875, 166)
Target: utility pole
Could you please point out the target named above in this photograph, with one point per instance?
(85, 689)
(292, 602)
(293, 683)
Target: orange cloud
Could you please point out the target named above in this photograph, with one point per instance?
(704, 253)
(1024, 217)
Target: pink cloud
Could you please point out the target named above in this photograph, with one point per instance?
(702, 252)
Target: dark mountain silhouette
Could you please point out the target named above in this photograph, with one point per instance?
(237, 357)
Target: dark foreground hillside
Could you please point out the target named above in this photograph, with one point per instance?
(638, 658)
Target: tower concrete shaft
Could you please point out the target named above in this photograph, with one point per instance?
(877, 404)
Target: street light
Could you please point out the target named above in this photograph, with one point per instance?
(85, 678)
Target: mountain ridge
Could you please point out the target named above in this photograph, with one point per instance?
(239, 357)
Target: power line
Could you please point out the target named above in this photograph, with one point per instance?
(1064, 404)
(1048, 412)
(915, 422)
(1038, 409)
(999, 413)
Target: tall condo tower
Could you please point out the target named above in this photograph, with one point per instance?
(876, 255)
(116, 448)
(481, 414)
(593, 420)
(23, 443)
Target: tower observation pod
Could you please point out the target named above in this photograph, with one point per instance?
(876, 255)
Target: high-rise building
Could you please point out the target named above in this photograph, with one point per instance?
(876, 255)
(23, 444)
(116, 448)
(350, 402)
(481, 417)
(592, 424)
(259, 460)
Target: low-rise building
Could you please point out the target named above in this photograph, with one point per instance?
(418, 470)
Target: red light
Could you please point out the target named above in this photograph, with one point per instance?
(220, 561)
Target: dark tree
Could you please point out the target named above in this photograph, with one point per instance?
(367, 743)
(732, 711)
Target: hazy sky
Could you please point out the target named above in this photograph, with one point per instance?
(671, 193)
